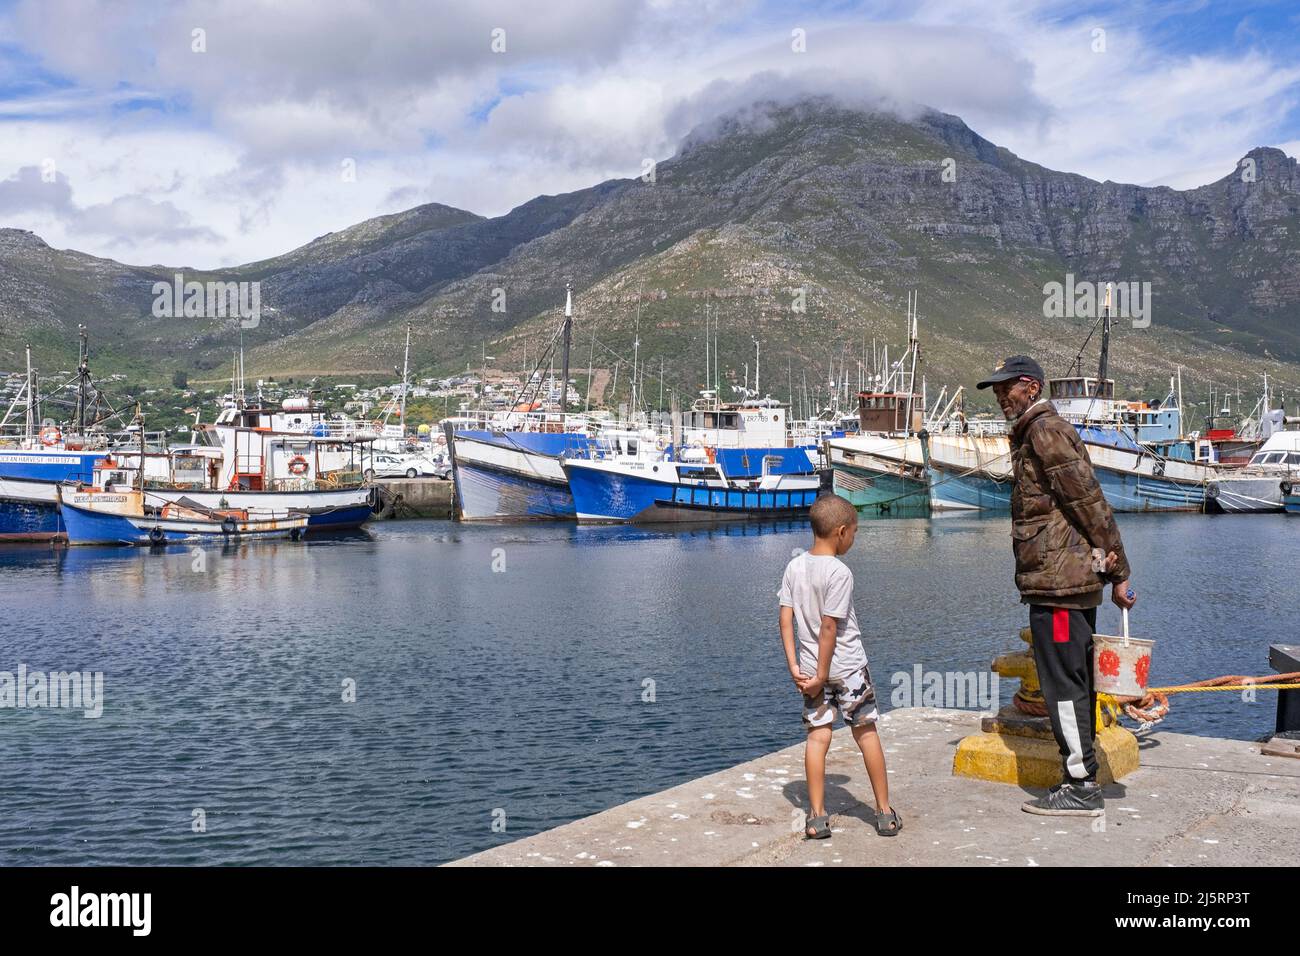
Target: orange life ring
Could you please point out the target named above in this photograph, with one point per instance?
(298, 465)
(50, 435)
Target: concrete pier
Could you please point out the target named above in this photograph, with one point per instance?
(419, 497)
(1195, 801)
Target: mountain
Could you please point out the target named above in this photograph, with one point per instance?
(854, 208)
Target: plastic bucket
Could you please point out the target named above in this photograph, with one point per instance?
(1121, 666)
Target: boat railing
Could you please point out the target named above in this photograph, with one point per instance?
(525, 421)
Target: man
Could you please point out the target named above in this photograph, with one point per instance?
(1067, 548)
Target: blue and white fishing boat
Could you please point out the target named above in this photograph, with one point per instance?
(29, 510)
(37, 456)
(129, 516)
(640, 491)
(510, 465)
(507, 465)
(513, 467)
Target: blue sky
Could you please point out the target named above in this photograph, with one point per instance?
(122, 137)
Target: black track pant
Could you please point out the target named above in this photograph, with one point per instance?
(1063, 653)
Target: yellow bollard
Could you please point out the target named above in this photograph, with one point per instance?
(1018, 748)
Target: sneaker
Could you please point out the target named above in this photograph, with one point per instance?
(1069, 800)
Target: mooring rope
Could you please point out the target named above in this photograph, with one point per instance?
(1153, 706)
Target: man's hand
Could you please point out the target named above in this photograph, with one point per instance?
(1123, 595)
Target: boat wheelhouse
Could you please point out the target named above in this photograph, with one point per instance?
(890, 413)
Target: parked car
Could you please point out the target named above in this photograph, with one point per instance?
(383, 465)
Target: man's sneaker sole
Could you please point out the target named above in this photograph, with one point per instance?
(1044, 812)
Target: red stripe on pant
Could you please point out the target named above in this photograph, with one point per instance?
(1060, 626)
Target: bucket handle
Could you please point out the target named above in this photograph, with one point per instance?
(1124, 614)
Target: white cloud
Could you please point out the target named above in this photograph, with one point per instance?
(236, 153)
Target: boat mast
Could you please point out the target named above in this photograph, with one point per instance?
(708, 367)
(636, 352)
(31, 399)
(911, 379)
(83, 375)
(1104, 359)
(1180, 401)
(568, 337)
(591, 369)
(406, 364)
(139, 421)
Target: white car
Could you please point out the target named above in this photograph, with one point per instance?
(383, 465)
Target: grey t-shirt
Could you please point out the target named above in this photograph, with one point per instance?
(821, 584)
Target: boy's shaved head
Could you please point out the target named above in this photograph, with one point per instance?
(829, 512)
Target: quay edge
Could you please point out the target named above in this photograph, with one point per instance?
(1195, 801)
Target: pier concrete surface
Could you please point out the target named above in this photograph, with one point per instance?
(1194, 801)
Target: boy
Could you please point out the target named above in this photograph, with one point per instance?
(830, 667)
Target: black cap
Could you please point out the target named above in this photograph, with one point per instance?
(1014, 367)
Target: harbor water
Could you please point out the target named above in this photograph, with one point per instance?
(508, 679)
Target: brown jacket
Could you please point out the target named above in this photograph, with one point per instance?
(1058, 514)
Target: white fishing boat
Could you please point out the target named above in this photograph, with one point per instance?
(271, 472)
(1273, 472)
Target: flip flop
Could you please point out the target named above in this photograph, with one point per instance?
(888, 824)
(820, 826)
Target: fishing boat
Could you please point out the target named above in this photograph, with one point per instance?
(288, 459)
(639, 491)
(970, 469)
(1261, 485)
(901, 463)
(879, 474)
(37, 454)
(131, 516)
(29, 510)
(286, 477)
(508, 464)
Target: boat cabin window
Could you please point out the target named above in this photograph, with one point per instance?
(631, 446)
(698, 474)
(878, 401)
(1274, 458)
(1293, 458)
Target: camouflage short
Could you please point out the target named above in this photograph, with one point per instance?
(853, 697)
